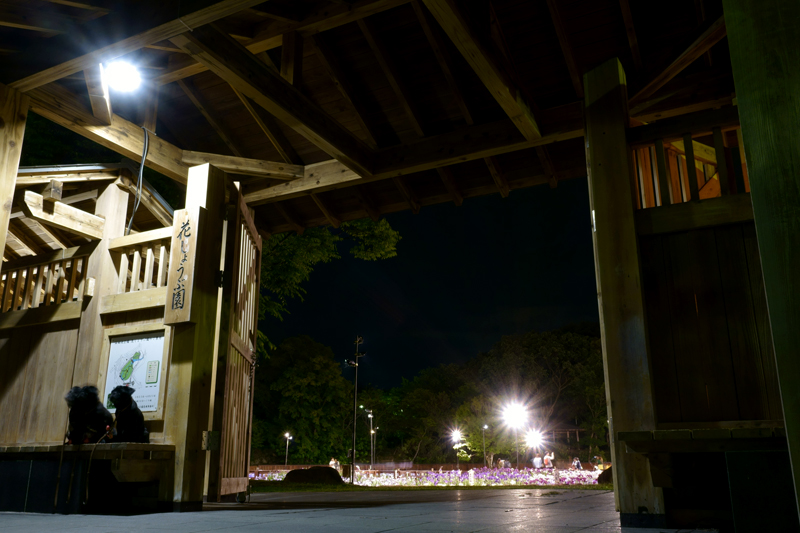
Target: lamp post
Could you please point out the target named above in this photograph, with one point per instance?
(483, 430)
(457, 440)
(288, 438)
(354, 364)
(371, 433)
(515, 415)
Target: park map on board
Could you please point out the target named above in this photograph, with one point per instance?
(135, 361)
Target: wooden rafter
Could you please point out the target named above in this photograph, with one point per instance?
(292, 57)
(439, 47)
(366, 203)
(450, 183)
(547, 166)
(63, 216)
(207, 111)
(407, 193)
(98, 93)
(149, 107)
(122, 31)
(233, 63)
(243, 165)
(497, 176)
(271, 129)
(630, 30)
(290, 219)
(25, 18)
(281, 12)
(507, 94)
(390, 71)
(323, 18)
(65, 109)
(711, 35)
(20, 233)
(331, 64)
(332, 220)
(566, 48)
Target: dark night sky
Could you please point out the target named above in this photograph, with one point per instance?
(463, 277)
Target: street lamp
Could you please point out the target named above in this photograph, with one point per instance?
(288, 438)
(515, 415)
(457, 440)
(354, 363)
(483, 429)
(371, 433)
(533, 438)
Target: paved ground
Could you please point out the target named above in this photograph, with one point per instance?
(522, 510)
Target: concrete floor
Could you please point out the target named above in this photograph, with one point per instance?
(523, 510)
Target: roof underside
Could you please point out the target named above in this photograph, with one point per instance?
(390, 76)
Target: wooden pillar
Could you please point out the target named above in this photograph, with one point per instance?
(13, 114)
(113, 205)
(619, 291)
(765, 55)
(191, 368)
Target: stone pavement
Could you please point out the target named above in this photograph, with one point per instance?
(503, 510)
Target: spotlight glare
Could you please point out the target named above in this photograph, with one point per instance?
(122, 76)
(456, 435)
(533, 438)
(515, 415)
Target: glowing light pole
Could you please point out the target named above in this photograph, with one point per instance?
(457, 440)
(288, 438)
(515, 415)
(483, 429)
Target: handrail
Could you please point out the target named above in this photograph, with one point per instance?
(128, 242)
(43, 259)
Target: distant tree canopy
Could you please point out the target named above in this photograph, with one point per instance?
(558, 375)
(288, 259)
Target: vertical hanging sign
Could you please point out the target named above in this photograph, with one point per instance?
(182, 265)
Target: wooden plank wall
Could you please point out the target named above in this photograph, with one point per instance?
(708, 329)
(36, 367)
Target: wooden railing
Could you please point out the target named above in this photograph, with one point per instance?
(142, 262)
(680, 162)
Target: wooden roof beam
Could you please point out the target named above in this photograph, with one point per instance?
(20, 234)
(547, 166)
(566, 48)
(271, 129)
(439, 46)
(148, 110)
(216, 123)
(233, 63)
(60, 240)
(408, 194)
(242, 165)
(292, 58)
(290, 219)
(497, 175)
(347, 90)
(24, 18)
(630, 30)
(499, 83)
(98, 93)
(63, 216)
(450, 184)
(366, 203)
(390, 71)
(120, 32)
(332, 220)
(325, 17)
(711, 35)
(57, 104)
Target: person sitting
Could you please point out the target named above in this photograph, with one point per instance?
(537, 461)
(548, 460)
(576, 464)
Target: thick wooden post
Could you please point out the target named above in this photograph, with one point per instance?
(191, 369)
(13, 114)
(112, 204)
(765, 54)
(619, 291)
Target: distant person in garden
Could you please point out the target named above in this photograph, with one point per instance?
(576, 464)
(598, 462)
(548, 460)
(537, 461)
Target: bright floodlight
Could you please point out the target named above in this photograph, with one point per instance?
(515, 415)
(533, 438)
(286, 435)
(456, 435)
(485, 426)
(122, 76)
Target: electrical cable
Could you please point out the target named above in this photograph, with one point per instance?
(139, 181)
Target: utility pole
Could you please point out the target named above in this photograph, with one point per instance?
(354, 364)
(483, 429)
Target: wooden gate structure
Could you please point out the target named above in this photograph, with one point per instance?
(229, 465)
(683, 117)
